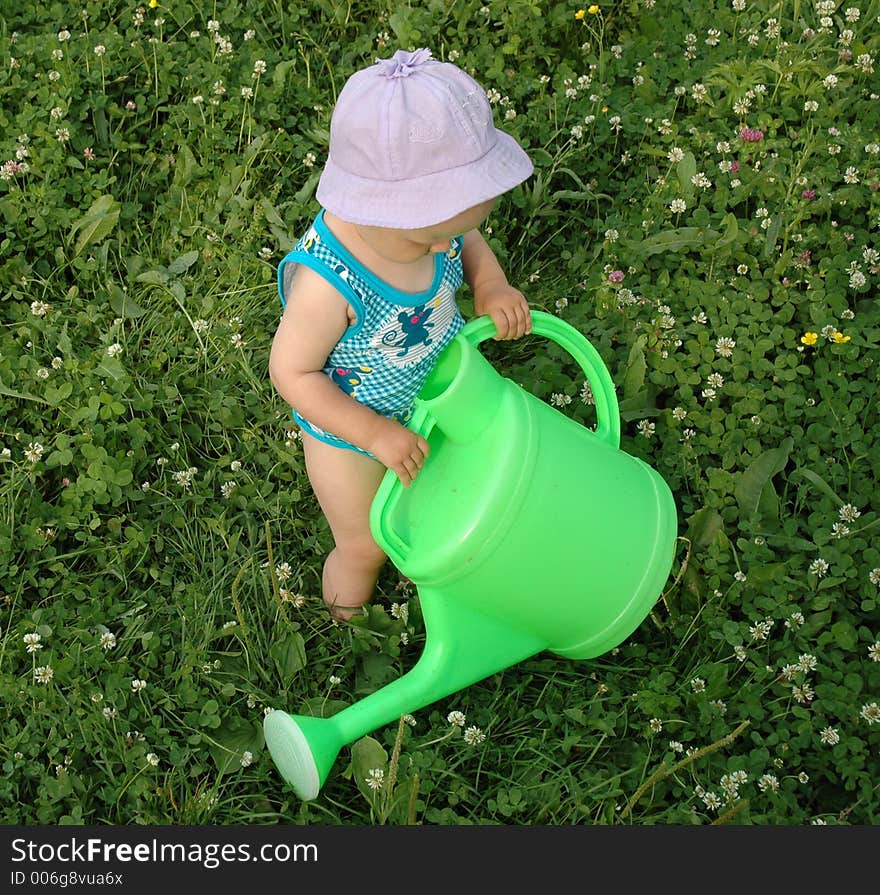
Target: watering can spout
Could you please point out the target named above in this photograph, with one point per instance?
(464, 647)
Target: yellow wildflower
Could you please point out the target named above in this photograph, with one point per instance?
(580, 14)
(840, 338)
(593, 10)
(810, 338)
(154, 4)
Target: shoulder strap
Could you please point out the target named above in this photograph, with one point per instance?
(298, 256)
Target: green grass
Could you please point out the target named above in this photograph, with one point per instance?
(750, 693)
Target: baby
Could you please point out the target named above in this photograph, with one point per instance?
(415, 165)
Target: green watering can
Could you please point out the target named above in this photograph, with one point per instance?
(523, 532)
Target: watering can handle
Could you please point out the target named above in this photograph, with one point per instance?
(565, 335)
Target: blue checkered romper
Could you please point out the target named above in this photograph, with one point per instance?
(383, 359)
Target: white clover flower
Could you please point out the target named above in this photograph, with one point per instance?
(768, 781)
(819, 568)
(865, 63)
(247, 758)
(802, 693)
(32, 642)
(400, 611)
(473, 736)
(724, 346)
(710, 800)
(152, 759)
(107, 641)
(806, 662)
(870, 712)
(137, 685)
(375, 778)
(677, 206)
(43, 674)
(184, 477)
(849, 513)
(761, 630)
(33, 452)
(795, 620)
(456, 718)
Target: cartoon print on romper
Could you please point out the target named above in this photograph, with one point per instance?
(405, 336)
(310, 239)
(348, 379)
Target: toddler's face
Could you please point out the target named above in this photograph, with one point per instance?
(407, 246)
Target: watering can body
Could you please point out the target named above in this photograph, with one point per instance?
(523, 532)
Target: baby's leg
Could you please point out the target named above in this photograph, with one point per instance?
(345, 483)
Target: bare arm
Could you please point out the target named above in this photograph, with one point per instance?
(313, 322)
(493, 295)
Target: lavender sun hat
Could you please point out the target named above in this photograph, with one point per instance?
(413, 143)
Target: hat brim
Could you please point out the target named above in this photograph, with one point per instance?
(427, 200)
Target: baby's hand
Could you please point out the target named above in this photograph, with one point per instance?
(508, 309)
(398, 448)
